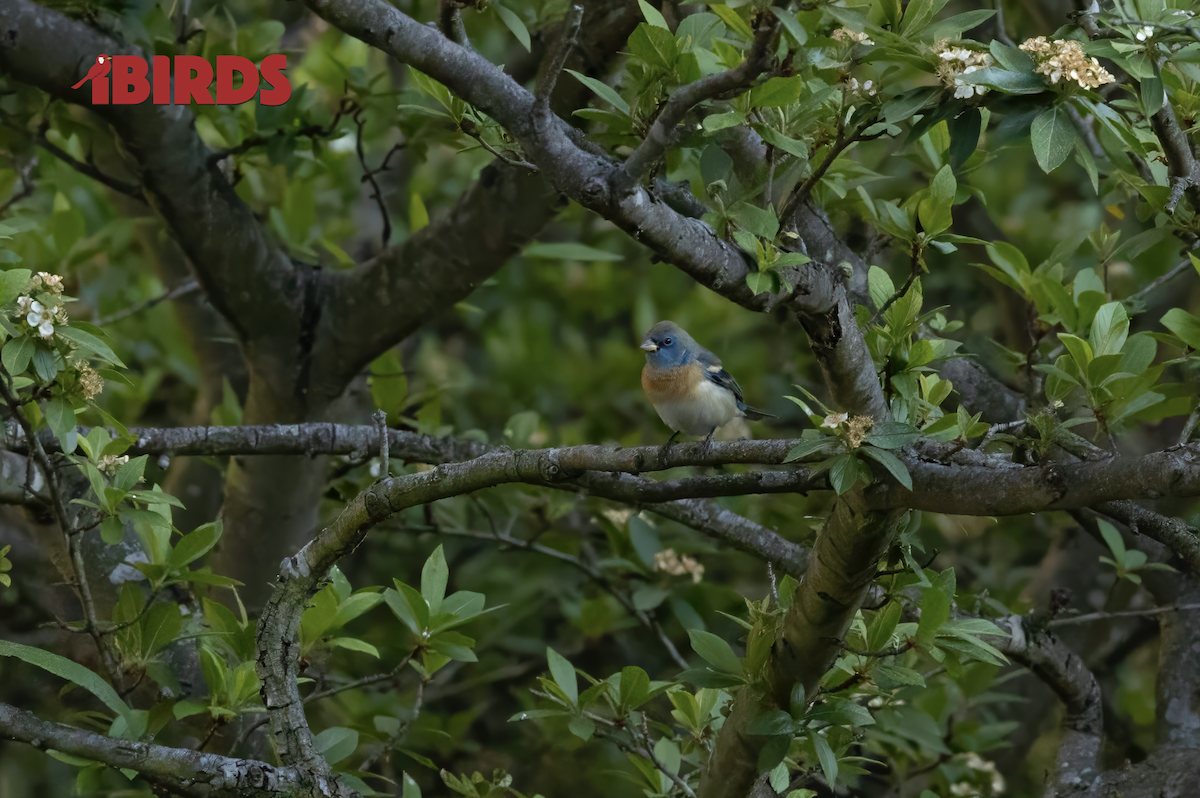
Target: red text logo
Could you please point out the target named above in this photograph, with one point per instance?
(237, 80)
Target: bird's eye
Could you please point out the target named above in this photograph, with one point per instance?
(666, 342)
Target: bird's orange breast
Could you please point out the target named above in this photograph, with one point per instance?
(670, 385)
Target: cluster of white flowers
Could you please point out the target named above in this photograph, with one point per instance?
(110, 463)
(38, 315)
(852, 36)
(671, 563)
(1143, 33)
(954, 62)
(867, 87)
(978, 764)
(1059, 58)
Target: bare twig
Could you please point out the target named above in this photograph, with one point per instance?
(914, 270)
(88, 168)
(369, 173)
(1107, 616)
(552, 67)
(1183, 266)
(27, 185)
(186, 287)
(311, 131)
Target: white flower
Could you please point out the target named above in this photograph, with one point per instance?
(53, 282)
(41, 318)
(23, 304)
(834, 420)
(1144, 33)
(1184, 13)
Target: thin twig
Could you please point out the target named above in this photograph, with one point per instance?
(311, 132)
(1105, 616)
(643, 618)
(914, 269)
(1179, 268)
(800, 194)
(89, 169)
(369, 173)
(366, 681)
(556, 59)
(186, 287)
(27, 186)
(688, 96)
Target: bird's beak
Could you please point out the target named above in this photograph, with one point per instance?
(649, 346)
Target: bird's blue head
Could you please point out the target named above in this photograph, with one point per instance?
(667, 345)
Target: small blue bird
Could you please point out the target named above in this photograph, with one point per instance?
(687, 385)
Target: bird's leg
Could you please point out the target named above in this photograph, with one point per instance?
(662, 450)
(707, 441)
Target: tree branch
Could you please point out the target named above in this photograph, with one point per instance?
(1077, 764)
(175, 767)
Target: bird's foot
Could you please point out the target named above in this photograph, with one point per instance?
(666, 447)
(706, 443)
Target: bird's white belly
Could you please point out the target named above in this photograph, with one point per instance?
(712, 406)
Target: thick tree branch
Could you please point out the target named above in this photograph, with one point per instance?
(1066, 674)
(174, 767)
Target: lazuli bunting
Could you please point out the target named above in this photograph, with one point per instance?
(687, 385)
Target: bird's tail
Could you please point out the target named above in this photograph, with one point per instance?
(754, 414)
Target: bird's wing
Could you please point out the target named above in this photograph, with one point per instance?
(717, 374)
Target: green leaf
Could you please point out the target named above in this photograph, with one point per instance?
(935, 611)
(89, 342)
(891, 677)
(889, 461)
(1081, 351)
(433, 580)
(195, 545)
(653, 15)
(1053, 138)
(1153, 95)
(409, 606)
(603, 91)
(777, 92)
(60, 416)
(825, 755)
(1177, 320)
(893, 435)
(935, 212)
(1110, 328)
(715, 651)
(843, 472)
(762, 222)
(336, 743)
(732, 19)
(570, 251)
(564, 675)
(12, 283)
(771, 723)
(654, 46)
(1112, 538)
(514, 24)
(823, 444)
(16, 354)
(634, 687)
(880, 286)
(71, 671)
